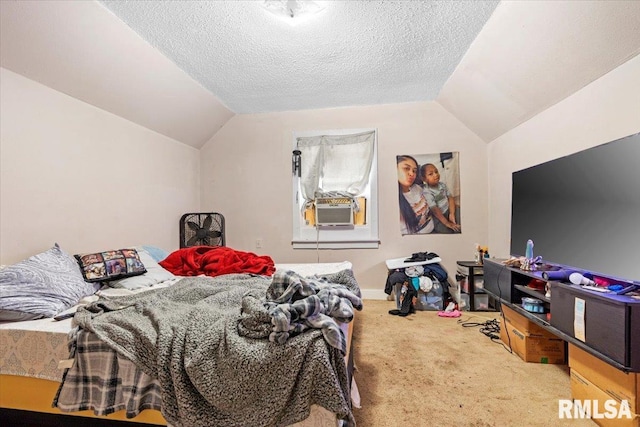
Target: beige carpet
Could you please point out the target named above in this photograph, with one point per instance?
(425, 370)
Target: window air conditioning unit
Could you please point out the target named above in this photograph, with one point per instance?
(334, 211)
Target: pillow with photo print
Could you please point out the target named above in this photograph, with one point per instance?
(155, 274)
(110, 265)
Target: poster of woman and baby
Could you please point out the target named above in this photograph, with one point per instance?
(429, 193)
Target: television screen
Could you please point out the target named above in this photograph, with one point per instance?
(582, 210)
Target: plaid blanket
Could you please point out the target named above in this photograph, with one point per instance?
(105, 382)
(185, 339)
(294, 304)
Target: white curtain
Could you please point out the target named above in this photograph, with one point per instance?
(335, 163)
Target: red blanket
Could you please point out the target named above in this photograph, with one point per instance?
(216, 260)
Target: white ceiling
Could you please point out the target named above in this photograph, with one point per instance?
(351, 53)
(184, 68)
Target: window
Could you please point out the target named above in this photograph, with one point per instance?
(335, 164)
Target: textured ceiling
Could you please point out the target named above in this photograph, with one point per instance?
(351, 53)
(184, 68)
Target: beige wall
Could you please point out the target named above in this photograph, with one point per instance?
(90, 180)
(246, 175)
(605, 110)
(87, 179)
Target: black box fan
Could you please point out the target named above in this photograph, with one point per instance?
(202, 229)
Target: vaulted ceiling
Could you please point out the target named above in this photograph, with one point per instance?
(185, 68)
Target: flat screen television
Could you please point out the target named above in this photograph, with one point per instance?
(582, 210)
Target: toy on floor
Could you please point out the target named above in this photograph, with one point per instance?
(450, 311)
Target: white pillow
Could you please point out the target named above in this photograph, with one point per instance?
(154, 275)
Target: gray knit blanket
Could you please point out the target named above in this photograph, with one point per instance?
(214, 371)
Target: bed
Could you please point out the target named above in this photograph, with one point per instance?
(311, 368)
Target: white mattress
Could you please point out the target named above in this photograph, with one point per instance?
(34, 348)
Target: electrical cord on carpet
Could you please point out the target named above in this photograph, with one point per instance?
(489, 328)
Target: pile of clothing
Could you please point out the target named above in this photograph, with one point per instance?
(422, 287)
